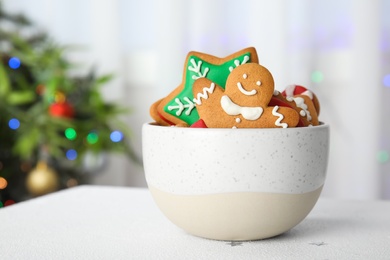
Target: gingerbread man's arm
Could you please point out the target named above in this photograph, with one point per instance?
(273, 117)
(284, 116)
(207, 98)
(206, 92)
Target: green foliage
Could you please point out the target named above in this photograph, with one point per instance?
(43, 79)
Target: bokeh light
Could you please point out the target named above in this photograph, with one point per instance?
(59, 97)
(3, 183)
(71, 154)
(386, 80)
(13, 123)
(70, 133)
(71, 183)
(40, 89)
(317, 76)
(92, 138)
(25, 167)
(116, 136)
(383, 156)
(14, 63)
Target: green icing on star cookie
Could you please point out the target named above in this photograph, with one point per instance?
(182, 105)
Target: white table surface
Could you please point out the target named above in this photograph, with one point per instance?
(98, 222)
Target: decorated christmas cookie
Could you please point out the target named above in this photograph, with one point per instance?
(293, 90)
(302, 100)
(178, 108)
(234, 92)
(244, 103)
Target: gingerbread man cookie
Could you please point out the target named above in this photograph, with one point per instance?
(244, 102)
(178, 107)
(302, 100)
(293, 90)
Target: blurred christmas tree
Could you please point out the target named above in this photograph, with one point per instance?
(51, 123)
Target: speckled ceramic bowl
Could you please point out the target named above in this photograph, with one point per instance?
(235, 184)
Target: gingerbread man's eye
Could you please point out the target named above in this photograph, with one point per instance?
(258, 83)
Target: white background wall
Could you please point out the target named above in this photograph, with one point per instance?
(145, 43)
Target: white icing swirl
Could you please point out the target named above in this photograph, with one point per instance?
(280, 117)
(204, 95)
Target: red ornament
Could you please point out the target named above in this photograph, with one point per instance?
(63, 109)
(8, 203)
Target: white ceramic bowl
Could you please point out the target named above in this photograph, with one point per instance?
(235, 184)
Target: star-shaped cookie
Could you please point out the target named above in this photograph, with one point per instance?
(178, 108)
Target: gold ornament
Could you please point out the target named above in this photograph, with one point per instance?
(59, 97)
(42, 180)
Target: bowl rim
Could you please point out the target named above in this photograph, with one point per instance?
(322, 125)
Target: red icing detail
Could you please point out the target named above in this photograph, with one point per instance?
(298, 90)
(277, 102)
(166, 120)
(199, 124)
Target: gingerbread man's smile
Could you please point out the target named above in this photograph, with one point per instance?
(244, 91)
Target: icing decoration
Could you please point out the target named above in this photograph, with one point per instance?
(289, 91)
(280, 117)
(301, 104)
(308, 93)
(199, 124)
(244, 76)
(293, 90)
(204, 94)
(194, 69)
(166, 120)
(238, 120)
(180, 106)
(258, 83)
(278, 102)
(245, 92)
(237, 62)
(249, 113)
